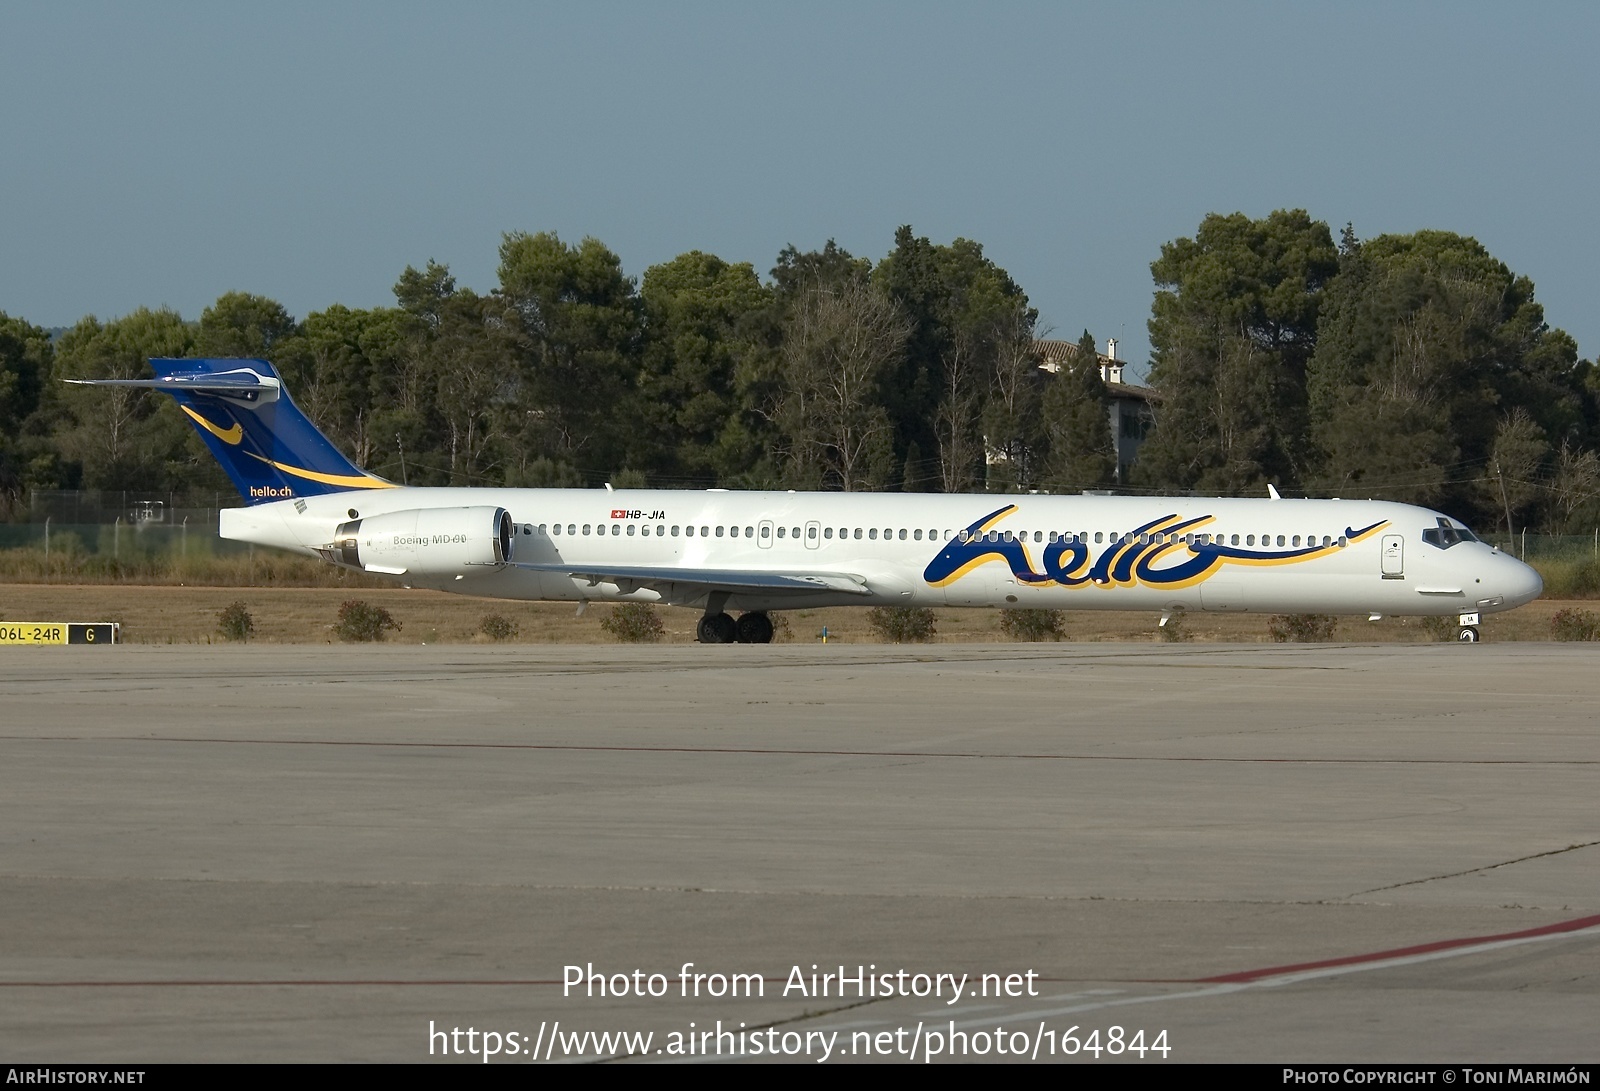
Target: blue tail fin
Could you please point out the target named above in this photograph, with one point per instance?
(240, 409)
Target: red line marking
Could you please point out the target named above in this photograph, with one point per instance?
(1401, 952)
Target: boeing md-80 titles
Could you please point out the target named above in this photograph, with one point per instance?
(750, 553)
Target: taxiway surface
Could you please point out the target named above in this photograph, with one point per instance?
(1298, 853)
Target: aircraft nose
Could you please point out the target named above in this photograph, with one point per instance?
(1522, 583)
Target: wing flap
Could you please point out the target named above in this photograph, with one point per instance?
(725, 579)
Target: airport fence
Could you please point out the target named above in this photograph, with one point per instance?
(184, 554)
(1540, 547)
(127, 537)
(134, 508)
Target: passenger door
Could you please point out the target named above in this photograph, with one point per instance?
(1394, 557)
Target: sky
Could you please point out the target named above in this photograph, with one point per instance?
(164, 153)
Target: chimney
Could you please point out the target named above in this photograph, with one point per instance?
(1111, 370)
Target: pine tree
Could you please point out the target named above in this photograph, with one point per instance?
(1077, 424)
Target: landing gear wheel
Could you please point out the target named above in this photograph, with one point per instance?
(717, 629)
(755, 628)
(1467, 634)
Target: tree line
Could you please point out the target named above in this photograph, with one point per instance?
(832, 373)
(1410, 367)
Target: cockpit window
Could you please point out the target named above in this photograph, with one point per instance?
(1444, 535)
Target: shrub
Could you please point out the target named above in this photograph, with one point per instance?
(1033, 624)
(902, 624)
(499, 627)
(1301, 628)
(1570, 579)
(634, 623)
(782, 633)
(1570, 624)
(1174, 631)
(1586, 579)
(360, 622)
(1439, 628)
(235, 622)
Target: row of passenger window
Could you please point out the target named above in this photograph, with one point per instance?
(661, 530)
(917, 534)
(1101, 537)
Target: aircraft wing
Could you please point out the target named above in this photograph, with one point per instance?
(722, 579)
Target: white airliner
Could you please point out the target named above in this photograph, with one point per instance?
(754, 552)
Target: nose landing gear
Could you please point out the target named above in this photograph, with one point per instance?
(1468, 633)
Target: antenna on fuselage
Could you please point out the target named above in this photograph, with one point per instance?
(1272, 491)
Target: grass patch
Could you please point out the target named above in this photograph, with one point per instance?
(301, 615)
(70, 562)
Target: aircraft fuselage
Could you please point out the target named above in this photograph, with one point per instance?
(1034, 551)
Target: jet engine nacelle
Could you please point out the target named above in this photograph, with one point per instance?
(426, 541)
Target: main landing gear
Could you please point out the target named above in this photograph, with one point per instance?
(720, 628)
(1468, 633)
(717, 629)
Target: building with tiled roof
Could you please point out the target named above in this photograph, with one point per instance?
(1130, 408)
